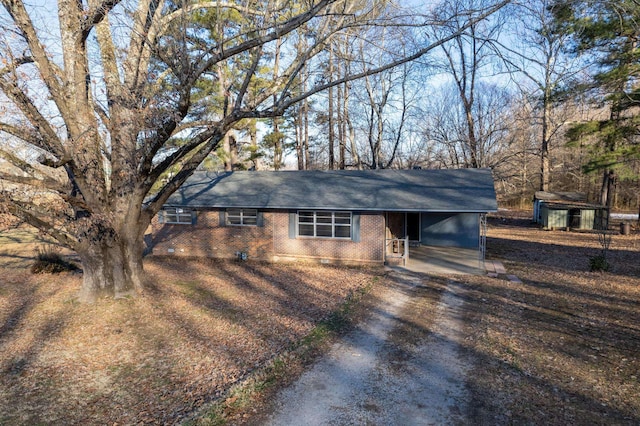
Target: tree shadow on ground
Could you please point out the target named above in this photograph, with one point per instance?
(560, 256)
(543, 343)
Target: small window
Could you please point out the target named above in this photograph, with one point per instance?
(177, 215)
(242, 217)
(324, 224)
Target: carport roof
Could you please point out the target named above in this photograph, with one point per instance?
(451, 190)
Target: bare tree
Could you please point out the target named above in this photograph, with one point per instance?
(467, 58)
(301, 110)
(98, 101)
(384, 102)
(517, 174)
(446, 126)
(533, 49)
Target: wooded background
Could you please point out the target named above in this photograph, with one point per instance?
(542, 92)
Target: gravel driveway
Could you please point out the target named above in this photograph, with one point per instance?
(363, 381)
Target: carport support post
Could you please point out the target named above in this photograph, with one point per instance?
(406, 250)
(483, 240)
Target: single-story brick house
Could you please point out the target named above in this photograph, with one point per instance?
(346, 216)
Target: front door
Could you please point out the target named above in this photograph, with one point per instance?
(413, 226)
(395, 225)
(401, 225)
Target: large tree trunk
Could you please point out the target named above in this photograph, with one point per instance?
(609, 176)
(545, 169)
(307, 155)
(298, 146)
(471, 134)
(277, 145)
(111, 258)
(341, 128)
(226, 147)
(331, 119)
(111, 271)
(352, 141)
(608, 188)
(233, 151)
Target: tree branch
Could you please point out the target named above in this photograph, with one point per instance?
(21, 210)
(48, 137)
(51, 74)
(165, 131)
(17, 162)
(137, 60)
(278, 32)
(47, 183)
(176, 156)
(187, 169)
(279, 109)
(96, 15)
(247, 80)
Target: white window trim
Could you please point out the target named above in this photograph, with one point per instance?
(242, 217)
(333, 224)
(182, 216)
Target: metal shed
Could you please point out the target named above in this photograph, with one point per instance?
(568, 210)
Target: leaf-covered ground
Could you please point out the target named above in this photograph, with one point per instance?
(201, 327)
(562, 346)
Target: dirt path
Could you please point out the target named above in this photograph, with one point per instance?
(368, 379)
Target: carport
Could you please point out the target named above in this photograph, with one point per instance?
(444, 260)
(437, 242)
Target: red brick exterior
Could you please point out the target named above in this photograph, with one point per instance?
(269, 242)
(208, 239)
(369, 249)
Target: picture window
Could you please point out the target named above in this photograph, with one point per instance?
(324, 224)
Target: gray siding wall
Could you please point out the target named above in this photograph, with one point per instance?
(587, 219)
(451, 230)
(554, 218)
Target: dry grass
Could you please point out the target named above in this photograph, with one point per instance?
(202, 327)
(562, 346)
(559, 348)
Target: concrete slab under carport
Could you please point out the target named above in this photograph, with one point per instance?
(444, 260)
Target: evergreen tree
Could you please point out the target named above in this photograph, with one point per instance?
(606, 34)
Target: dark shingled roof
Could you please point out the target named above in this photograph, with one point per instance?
(455, 190)
(579, 197)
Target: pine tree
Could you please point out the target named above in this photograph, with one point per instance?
(606, 35)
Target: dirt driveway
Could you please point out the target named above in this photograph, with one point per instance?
(391, 369)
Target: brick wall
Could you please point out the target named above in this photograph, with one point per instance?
(369, 249)
(208, 239)
(270, 242)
